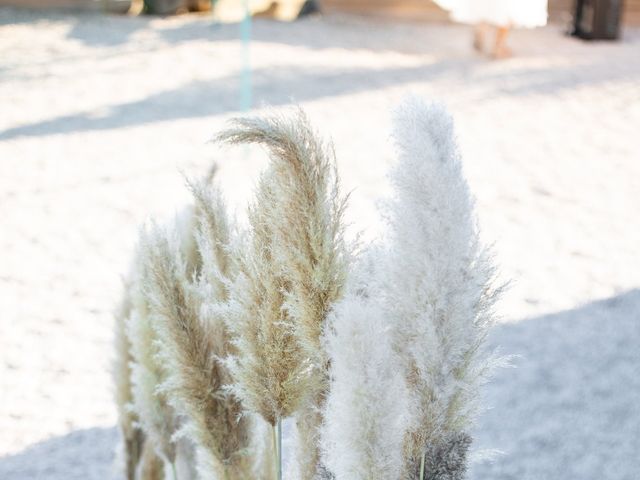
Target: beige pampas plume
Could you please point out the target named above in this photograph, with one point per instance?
(270, 370)
(305, 216)
(132, 435)
(186, 226)
(297, 236)
(195, 343)
(156, 417)
(151, 466)
(213, 237)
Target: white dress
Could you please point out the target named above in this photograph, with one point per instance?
(502, 13)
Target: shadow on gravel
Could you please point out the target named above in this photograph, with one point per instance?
(571, 407)
(287, 84)
(214, 97)
(80, 455)
(570, 410)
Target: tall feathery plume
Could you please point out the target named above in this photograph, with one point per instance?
(157, 418)
(298, 230)
(438, 291)
(214, 239)
(269, 368)
(191, 350)
(132, 434)
(365, 416)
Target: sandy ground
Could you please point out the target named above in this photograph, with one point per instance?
(98, 115)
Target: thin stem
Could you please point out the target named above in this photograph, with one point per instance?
(279, 431)
(134, 459)
(173, 469)
(422, 465)
(274, 441)
(276, 435)
(245, 84)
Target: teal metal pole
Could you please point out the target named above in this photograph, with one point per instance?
(245, 82)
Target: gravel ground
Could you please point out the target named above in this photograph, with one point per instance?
(99, 115)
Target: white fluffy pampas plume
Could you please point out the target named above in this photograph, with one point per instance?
(437, 291)
(406, 344)
(365, 417)
(156, 416)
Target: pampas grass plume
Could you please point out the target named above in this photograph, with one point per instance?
(157, 417)
(305, 216)
(298, 230)
(195, 343)
(438, 282)
(383, 376)
(269, 368)
(365, 417)
(132, 435)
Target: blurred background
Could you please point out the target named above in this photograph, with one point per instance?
(105, 104)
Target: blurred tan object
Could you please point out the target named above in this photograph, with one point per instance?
(199, 5)
(406, 9)
(284, 10)
(269, 12)
(151, 466)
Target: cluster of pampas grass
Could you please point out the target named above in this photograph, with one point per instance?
(379, 357)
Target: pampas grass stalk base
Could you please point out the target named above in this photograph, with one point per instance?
(276, 431)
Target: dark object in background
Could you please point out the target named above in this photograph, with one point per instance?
(597, 19)
(309, 8)
(161, 7)
(171, 7)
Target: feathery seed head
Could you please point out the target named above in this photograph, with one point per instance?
(365, 419)
(132, 435)
(438, 279)
(295, 272)
(194, 346)
(157, 418)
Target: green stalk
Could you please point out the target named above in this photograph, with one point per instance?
(173, 469)
(422, 465)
